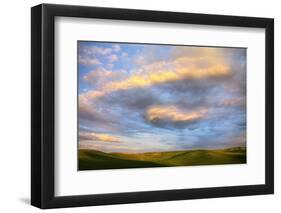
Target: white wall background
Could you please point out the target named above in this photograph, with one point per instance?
(15, 105)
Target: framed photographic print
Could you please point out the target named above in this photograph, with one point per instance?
(139, 106)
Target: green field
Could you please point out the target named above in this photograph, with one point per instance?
(93, 160)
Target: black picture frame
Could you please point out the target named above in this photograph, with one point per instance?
(43, 102)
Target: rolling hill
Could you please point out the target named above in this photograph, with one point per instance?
(93, 160)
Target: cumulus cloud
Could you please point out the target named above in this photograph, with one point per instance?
(86, 61)
(101, 76)
(93, 50)
(174, 114)
(183, 68)
(89, 55)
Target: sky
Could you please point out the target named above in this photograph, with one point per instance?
(146, 97)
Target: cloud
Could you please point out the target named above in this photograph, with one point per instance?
(173, 117)
(88, 61)
(92, 136)
(116, 47)
(183, 68)
(101, 76)
(113, 58)
(178, 69)
(97, 116)
(140, 60)
(174, 114)
(233, 101)
(93, 50)
(194, 82)
(105, 147)
(124, 54)
(88, 55)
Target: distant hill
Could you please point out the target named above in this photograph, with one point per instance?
(93, 160)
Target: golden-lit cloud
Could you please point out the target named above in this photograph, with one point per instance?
(233, 101)
(172, 113)
(150, 78)
(92, 136)
(205, 64)
(182, 68)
